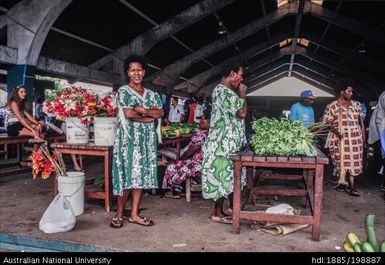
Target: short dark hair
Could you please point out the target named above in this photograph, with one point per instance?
(134, 58)
(207, 112)
(232, 65)
(343, 83)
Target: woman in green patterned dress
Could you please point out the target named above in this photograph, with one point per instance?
(226, 136)
(134, 163)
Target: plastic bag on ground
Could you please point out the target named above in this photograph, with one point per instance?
(59, 216)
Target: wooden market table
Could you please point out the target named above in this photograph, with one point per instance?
(177, 141)
(313, 188)
(91, 149)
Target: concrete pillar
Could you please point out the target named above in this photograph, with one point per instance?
(21, 74)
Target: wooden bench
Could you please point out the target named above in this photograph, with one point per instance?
(19, 140)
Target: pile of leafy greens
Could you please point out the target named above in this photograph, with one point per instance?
(282, 137)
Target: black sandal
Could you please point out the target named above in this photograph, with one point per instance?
(341, 188)
(353, 192)
(116, 222)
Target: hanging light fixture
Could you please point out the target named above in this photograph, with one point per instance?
(221, 28)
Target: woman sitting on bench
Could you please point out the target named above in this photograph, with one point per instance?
(19, 121)
(190, 163)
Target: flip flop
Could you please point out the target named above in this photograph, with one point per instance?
(172, 196)
(143, 221)
(353, 192)
(341, 188)
(116, 222)
(229, 210)
(223, 219)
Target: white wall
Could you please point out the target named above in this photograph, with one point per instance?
(288, 87)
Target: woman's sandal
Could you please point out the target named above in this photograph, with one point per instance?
(353, 192)
(341, 188)
(142, 221)
(222, 220)
(116, 222)
(170, 195)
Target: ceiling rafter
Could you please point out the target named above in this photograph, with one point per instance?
(345, 70)
(273, 67)
(264, 14)
(333, 18)
(144, 42)
(328, 26)
(260, 63)
(344, 52)
(155, 24)
(300, 74)
(297, 28)
(171, 72)
(200, 79)
(236, 47)
(349, 24)
(359, 44)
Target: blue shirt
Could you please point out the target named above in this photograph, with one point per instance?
(304, 114)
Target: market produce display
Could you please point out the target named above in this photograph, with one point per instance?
(353, 243)
(177, 130)
(282, 137)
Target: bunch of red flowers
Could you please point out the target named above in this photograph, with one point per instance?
(81, 103)
(44, 162)
(107, 106)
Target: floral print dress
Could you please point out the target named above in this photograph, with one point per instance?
(226, 136)
(180, 170)
(134, 163)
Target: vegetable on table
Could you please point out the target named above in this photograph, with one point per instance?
(273, 137)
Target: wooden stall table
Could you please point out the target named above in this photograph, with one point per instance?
(91, 149)
(177, 141)
(313, 189)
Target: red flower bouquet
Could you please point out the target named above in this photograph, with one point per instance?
(81, 103)
(44, 162)
(107, 106)
(72, 102)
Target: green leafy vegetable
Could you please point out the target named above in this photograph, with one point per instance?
(282, 137)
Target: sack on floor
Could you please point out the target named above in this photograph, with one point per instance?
(59, 216)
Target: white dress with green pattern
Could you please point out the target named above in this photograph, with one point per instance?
(134, 163)
(226, 136)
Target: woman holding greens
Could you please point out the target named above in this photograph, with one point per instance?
(345, 141)
(226, 136)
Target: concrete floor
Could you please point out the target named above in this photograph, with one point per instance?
(181, 226)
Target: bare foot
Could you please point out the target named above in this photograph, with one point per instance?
(78, 169)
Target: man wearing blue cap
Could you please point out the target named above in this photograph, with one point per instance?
(303, 111)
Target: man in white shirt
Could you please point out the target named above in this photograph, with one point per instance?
(176, 112)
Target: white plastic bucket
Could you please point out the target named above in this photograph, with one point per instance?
(105, 130)
(76, 131)
(72, 187)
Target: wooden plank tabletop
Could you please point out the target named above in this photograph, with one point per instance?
(246, 154)
(91, 146)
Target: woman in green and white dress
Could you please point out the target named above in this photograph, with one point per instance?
(226, 136)
(134, 163)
